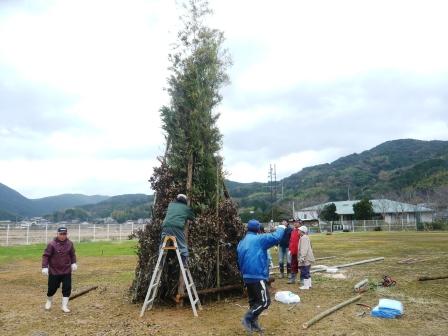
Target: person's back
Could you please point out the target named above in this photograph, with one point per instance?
(253, 264)
(253, 255)
(177, 214)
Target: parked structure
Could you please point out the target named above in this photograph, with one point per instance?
(384, 209)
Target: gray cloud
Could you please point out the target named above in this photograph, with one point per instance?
(41, 110)
(353, 114)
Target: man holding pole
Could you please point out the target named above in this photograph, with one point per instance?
(253, 264)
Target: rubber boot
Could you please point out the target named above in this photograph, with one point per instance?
(282, 270)
(256, 325)
(48, 303)
(64, 305)
(247, 322)
(306, 284)
(311, 286)
(292, 278)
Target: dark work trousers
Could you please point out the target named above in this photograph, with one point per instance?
(305, 272)
(54, 281)
(259, 299)
(294, 264)
(180, 238)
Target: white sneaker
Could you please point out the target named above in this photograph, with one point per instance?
(311, 286)
(48, 303)
(306, 284)
(64, 305)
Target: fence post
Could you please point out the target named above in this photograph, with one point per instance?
(46, 233)
(132, 227)
(94, 232)
(7, 236)
(28, 234)
(108, 231)
(365, 225)
(79, 233)
(353, 225)
(120, 232)
(389, 226)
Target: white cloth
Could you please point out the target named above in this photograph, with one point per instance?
(287, 297)
(282, 226)
(74, 267)
(45, 271)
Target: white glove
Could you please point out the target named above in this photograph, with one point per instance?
(45, 271)
(281, 226)
(74, 267)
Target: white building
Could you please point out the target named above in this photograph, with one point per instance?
(387, 210)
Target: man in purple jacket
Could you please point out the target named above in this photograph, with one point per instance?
(58, 262)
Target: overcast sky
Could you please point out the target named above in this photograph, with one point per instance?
(81, 84)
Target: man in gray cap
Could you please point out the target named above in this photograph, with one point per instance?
(58, 262)
(176, 217)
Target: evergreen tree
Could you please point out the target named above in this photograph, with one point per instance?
(198, 72)
(328, 213)
(363, 209)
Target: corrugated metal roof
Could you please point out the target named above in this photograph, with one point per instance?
(379, 206)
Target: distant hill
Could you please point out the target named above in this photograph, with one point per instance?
(131, 206)
(52, 203)
(121, 208)
(392, 169)
(13, 204)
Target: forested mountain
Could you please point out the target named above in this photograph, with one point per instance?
(410, 170)
(14, 205)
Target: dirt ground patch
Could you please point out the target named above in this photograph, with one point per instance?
(107, 310)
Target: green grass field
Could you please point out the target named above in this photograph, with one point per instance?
(83, 249)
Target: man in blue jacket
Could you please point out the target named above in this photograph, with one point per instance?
(253, 264)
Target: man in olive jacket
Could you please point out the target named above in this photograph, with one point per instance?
(177, 215)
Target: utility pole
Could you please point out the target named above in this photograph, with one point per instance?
(272, 175)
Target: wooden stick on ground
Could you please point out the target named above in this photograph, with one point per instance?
(85, 291)
(361, 286)
(324, 258)
(426, 278)
(329, 311)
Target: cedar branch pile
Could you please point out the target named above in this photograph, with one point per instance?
(203, 237)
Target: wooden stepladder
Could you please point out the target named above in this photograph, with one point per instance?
(156, 275)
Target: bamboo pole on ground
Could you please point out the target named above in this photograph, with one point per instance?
(350, 264)
(327, 312)
(85, 291)
(426, 278)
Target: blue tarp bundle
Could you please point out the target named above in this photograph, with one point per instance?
(388, 309)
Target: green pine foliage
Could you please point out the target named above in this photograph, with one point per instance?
(198, 72)
(363, 210)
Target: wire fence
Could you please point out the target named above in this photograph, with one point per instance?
(368, 225)
(12, 234)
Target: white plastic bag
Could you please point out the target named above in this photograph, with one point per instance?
(287, 297)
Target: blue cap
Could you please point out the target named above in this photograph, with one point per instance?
(253, 225)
